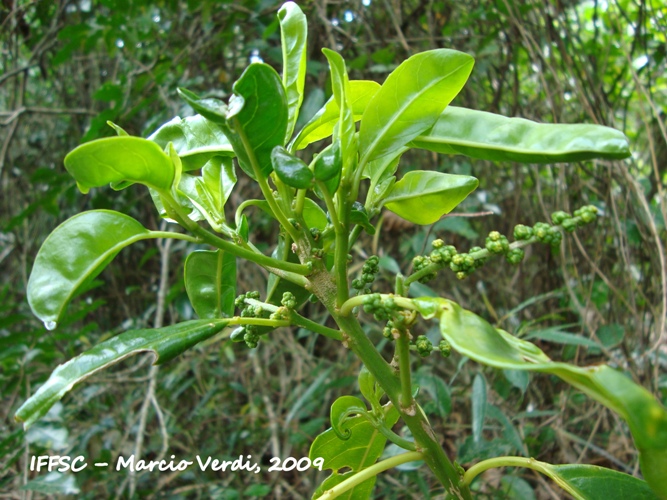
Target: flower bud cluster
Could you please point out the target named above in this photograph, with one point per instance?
(382, 308)
(424, 346)
(582, 216)
(369, 270)
(248, 333)
(445, 348)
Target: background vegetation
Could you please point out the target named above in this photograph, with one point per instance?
(69, 66)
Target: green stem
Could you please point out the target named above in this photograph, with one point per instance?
(348, 305)
(396, 439)
(275, 323)
(263, 183)
(299, 320)
(370, 472)
(425, 439)
(340, 252)
(403, 355)
(300, 200)
(175, 236)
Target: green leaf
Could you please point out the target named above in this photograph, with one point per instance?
(358, 215)
(255, 120)
(488, 136)
(344, 130)
(294, 37)
(195, 139)
(210, 281)
(209, 192)
(166, 343)
(475, 338)
(74, 254)
(313, 215)
(411, 100)
(362, 449)
(53, 483)
(478, 398)
(290, 169)
(342, 410)
(555, 334)
(423, 196)
(322, 124)
(261, 123)
(120, 159)
(591, 482)
(328, 163)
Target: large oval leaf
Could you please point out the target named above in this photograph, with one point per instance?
(195, 139)
(166, 343)
(294, 37)
(262, 119)
(424, 196)
(321, 125)
(475, 338)
(74, 254)
(118, 160)
(494, 137)
(210, 281)
(411, 100)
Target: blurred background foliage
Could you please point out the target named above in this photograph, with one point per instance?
(68, 66)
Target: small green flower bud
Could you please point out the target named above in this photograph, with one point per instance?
(461, 275)
(522, 232)
(315, 233)
(445, 348)
(515, 256)
(368, 278)
(252, 295)
(251, 339)
(542, 232)
(358, 284)
(559, 217)
(288, 300)
(438, 243)
(424, 346)
(570, 224)
(494, 236)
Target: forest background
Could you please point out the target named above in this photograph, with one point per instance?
(66, 67)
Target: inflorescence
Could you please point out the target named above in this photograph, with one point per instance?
(463, 264)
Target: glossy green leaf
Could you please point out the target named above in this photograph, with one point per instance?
(166, 343)
(411, 100)
(290, 169)
(478, 398)
(210, 281)
(344, 130)
(313, 215)
(423, 196)
(362, 449)
(328, 163)
(475, 338)
(74, 254)
(294, 37)
(208, 193)
(255, 120)
(488, 136)
(261, 123)
(322, 124)
(120, 159)
(358, 215)
(195, 139)
(591, 482)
